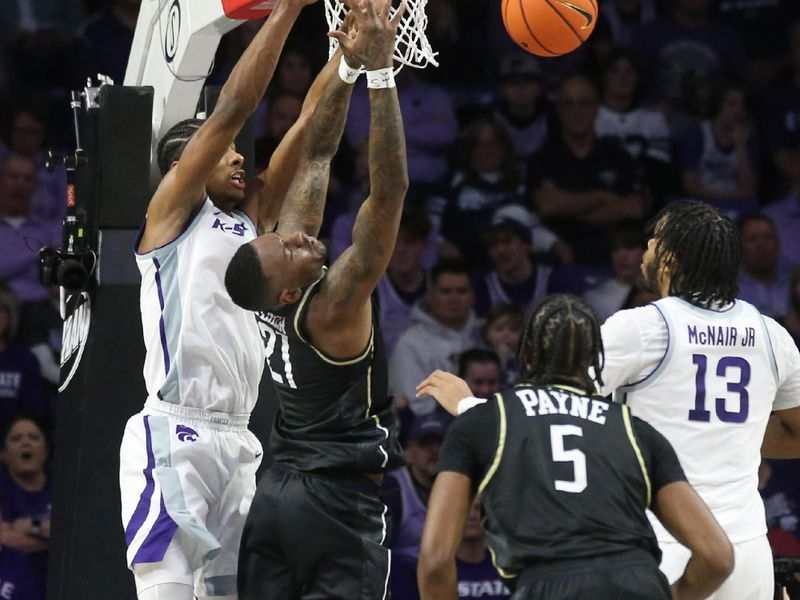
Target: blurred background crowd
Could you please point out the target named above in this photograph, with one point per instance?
(528, 176)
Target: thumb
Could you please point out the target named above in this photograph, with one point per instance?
(340, 37)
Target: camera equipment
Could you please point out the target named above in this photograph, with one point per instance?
(71, 266)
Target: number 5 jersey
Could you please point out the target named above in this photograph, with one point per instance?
(706, 379)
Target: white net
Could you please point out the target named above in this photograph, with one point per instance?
(411, 46)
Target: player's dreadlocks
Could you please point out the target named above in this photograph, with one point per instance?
(560, 341)
(702, 248)
(174, 141)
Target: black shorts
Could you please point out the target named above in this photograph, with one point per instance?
(629, 576)
(314, 537)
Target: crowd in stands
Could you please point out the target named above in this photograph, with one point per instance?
(528, 176)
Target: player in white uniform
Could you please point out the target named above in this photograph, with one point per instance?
(188, 461)
(707, 370)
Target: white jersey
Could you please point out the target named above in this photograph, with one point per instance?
(707, 380)
(642, 132)
(203, 351)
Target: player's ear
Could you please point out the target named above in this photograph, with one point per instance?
(290, 296)
(172, 166)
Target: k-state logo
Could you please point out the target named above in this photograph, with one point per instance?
(237, 229)
(186, 434)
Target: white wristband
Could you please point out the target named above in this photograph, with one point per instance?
(469, 402)
(380, 79)
(347, 73)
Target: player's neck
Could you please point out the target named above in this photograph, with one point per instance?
(471, 551)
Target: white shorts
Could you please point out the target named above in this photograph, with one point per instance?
(752, 578)
(187, 478)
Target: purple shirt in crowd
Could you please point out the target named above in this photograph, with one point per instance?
(22, 576)
(19, 255)
(20, 386)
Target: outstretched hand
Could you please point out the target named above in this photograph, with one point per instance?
(369, 39)
(446, 388)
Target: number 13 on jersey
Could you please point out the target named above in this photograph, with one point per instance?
(735, 372)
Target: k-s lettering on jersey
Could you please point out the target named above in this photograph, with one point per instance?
(203, 351)
(707, 380)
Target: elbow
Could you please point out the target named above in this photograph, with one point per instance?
(719, 559)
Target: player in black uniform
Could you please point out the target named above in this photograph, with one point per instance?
(317, 527)
(564, 479)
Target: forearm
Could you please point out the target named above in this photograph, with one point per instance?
(254, 70)
(305, 202)
(747, 176)
(553, 202)
(437, 581)
(698, 581)
(624, 207)
(388, 167)
(780, 441)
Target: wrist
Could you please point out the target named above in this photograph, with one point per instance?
(378, 79)
(348, 73)
(466, 403)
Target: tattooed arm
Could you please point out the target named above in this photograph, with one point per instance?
(343, 302)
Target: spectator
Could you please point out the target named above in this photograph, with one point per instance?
(522, 108)
(501, 333)
(718, 156)
(441, 329)
(104, 43)
(448, 34)
(293, 74)
(641, 131)
(486, 180)
(786, 217)
(791, 321)
(40, 330)
(404, 283)
(619, 22)
(682, 56)
(627, 249)
(481, 370)
(763, 281)
(429, 121)
(777, 483)
(282, 112)
(20, 377)
(406, 491)
(21, 236)
(25, 133)
(515, 277)
(25, 510)
(475, 574)
(580, 184)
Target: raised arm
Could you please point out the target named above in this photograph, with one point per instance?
(273, 183)
(183, 187)
(343, 302)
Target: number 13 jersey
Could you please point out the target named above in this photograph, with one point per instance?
(707, 380)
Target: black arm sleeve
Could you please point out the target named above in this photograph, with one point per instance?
(659, 455)
(471, 441)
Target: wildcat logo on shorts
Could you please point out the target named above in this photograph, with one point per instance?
(186, 434)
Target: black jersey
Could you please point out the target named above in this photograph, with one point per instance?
(562, 475)
(332, 413)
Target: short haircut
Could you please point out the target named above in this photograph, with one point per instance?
(172, 145)
(720, 91)
(450, 266)
(703, 250)
(561, 339)
(244, 280)
(476, 355)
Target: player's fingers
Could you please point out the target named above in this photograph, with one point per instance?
(428, 390)
(401, 10)
(340, 37)
(369, 8)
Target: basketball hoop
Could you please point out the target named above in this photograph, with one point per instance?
(411, 46)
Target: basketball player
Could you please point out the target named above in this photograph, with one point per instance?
(564, 478)
(317, 526)
(188, 462)
(705, 369)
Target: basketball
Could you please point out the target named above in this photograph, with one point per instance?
(549, 27)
